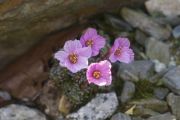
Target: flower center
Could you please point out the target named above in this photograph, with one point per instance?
(89, 43)
(73, 58)
(118, 52)
(97, 74)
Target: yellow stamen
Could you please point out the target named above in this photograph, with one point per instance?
(118, 52)
(73, 58)
(89, 43)
(97, 74)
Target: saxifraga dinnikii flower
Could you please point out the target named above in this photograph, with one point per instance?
(99, 73)
(92, 39)
(120, 51)
(74, 56)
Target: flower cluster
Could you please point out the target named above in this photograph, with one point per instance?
(76, 53)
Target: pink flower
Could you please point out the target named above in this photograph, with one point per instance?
(121, 51)
(99, 73)
(74, 57)
(92, 39)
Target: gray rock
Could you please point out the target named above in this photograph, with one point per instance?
(143, 22)
(136, 70)
(172, 79)
(144, 112)
(159, 66)
(5, 95)
(174, 103)
(176, 32)
(99, 108)
(152, 103)
(127, 92)
(165, 7)
(166, 116)
(158, 50)
(19, 112)
(117, 22)
(161, 93)
(140, 37)
(137, 118)
(120, 116)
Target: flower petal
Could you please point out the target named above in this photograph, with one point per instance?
(122, 42)
(112, 58)
(126, 56)
(105, 69)
(85, 52)
(82, 62)
(90, 32)
(61, 56)
(72, 45)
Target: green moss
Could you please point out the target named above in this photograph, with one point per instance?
(144, 89)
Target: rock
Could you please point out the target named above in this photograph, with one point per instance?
(117, 23)
(64, 105)
(137, 118)
(159, 66)
(127, 92)
(99, 108)
(172, 79)
(165, 7)
(120, 116)
(174, 103)
(166, 116)
(141, 69)
(140, 37)
(4, 98)
(176, 32)
(144, 112)
(143, 22)
(161, 93)
(19, 112)
(5, 95)
(158, 50)
(152, 103)
(49, 99)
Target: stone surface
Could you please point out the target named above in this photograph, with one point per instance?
(176, 32)
(5, 95)
(140, 37)
(158, 50)
(172, 80)
(117, 23)
(49, 99)
(165, 7)
(120, 116)
(159, 66)
(152, 103)
(143, 22)
(166, 116)
(99, 108)
(141, 69)
(137, 118)
(174, 103)
(19, 112)
(127, 92)
(144, 112)
(161, 93)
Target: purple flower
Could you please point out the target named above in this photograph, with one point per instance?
(74, 57)
(121, 51)
(99, 73)
(92, 39)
